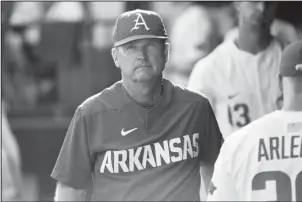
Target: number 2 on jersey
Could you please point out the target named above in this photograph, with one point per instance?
(243, 111)
(283, 184)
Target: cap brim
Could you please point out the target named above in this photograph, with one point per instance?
(136, 37)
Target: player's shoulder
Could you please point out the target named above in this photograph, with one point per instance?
(247, 135)
(214, 60)
(259, 126)
(102, 101)
(182, 94)
(243, 140)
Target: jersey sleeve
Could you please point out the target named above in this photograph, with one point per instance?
(211, 139)
(10, 183)
(74, 165)
(222, 187)
(201, 79)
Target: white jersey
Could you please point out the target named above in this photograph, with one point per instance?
(262, 161)
(241, 86)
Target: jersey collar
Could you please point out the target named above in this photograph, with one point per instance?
(120, 98)
(164, 99)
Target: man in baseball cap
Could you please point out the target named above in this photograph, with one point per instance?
(142, 139)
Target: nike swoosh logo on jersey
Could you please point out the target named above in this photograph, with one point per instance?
(124, 133)
(232, 96)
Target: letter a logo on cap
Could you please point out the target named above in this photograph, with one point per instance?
(139, 21)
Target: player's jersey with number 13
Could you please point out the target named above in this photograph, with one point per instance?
(241, 86)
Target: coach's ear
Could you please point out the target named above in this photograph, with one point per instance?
(115, 57)
(280, 99)
(167, 51)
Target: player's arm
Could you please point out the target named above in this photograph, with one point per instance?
(73, 169)
(11, 176)
(66, 193)
(10, 189)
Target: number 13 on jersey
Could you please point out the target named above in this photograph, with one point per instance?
(239, 115)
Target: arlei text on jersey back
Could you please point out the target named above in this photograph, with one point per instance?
(278, 148)
(152, 155)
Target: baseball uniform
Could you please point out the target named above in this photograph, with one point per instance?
(262, 161)
(240, 86)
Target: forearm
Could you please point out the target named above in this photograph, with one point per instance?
(206, 172)
(206, 175)
(66, 193)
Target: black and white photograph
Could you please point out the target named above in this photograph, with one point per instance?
(151, 101)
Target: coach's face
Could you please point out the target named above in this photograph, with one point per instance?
(256, 13)
(141, 60)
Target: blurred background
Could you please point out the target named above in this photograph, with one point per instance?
(57, 54)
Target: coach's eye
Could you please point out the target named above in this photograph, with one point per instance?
(130, 47)
(154, 44)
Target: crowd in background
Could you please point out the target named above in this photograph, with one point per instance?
(58, 53)
(40, 35)
(41, 38)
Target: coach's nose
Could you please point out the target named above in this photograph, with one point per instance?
(142, 54)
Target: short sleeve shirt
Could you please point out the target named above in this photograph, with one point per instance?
(129, 152)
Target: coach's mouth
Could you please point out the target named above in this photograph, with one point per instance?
(142, 66)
